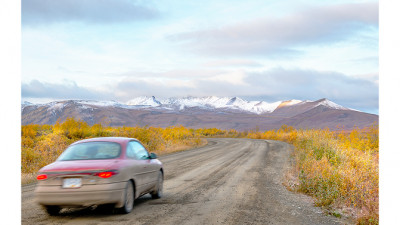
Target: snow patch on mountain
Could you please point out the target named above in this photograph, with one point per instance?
(210, 103)
(86, 103)
(24, 103)
(330, 104)
(144, 101)
(56, 106)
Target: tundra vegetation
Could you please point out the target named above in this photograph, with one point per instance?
(338, 168)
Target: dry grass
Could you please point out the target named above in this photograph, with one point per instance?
(339, 169)
(28, 178)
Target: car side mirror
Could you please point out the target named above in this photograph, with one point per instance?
(153, 156)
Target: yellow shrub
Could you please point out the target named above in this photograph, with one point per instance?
(42, 144)
(338, 168)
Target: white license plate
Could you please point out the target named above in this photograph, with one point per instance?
(72, 182)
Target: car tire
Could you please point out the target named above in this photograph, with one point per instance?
(129, 199)
(158, 193)
(52, 210)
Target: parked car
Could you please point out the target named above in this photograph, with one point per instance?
(112, 171)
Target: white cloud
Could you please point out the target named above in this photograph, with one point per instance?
(279, 36)
(36, 12)
(234, 77)
(281, 83)
(66, 90)
(232, 63)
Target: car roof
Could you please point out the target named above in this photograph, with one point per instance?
(120, 140)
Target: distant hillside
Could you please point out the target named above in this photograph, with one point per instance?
(223, 113)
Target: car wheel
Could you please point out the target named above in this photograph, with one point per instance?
(129, 198)
(159, 191)
(52, 210)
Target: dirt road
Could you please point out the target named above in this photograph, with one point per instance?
(229, 181)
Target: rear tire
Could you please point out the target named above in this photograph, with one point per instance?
(158, 193)
(52, 210)
(129, 198)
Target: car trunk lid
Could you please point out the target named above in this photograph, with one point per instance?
(83, 171)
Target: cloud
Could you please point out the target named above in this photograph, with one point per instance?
(232, 63)
(280, 36)
(373, 77)
(66, 90)
(173, 74)
(278, 84)
(130, 88)
(67, 70)
(87, 11)
(271, 85)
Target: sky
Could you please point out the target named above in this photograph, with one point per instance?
(254, 49)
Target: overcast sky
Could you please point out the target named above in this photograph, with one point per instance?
(254, 49)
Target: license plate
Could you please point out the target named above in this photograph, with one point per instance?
(72, 182)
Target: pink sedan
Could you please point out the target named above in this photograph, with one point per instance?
(111, 171)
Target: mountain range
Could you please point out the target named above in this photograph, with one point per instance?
(201, 112)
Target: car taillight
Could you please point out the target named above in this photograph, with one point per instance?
(107, 174)
(41, 177)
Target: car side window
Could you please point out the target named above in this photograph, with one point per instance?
(139, 152)
(129, 151)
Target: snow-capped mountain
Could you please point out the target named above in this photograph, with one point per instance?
(330, 104)
(211, 102)
(144, 101)
(219, 112)
(179, 104)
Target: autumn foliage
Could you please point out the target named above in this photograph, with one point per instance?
(339, 169)
(42, 144)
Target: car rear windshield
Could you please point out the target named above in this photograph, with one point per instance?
(91, 151)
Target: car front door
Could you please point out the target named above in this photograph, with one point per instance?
(146, 173)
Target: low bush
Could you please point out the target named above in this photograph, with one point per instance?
(42, 144)
(340, 169)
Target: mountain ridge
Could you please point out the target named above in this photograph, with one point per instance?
(197, 112)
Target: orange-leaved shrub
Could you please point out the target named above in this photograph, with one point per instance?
(42, 144)
(340, 169)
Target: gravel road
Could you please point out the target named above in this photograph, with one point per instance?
(229, 181)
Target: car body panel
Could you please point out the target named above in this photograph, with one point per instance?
(144, 173)
(85, 196)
